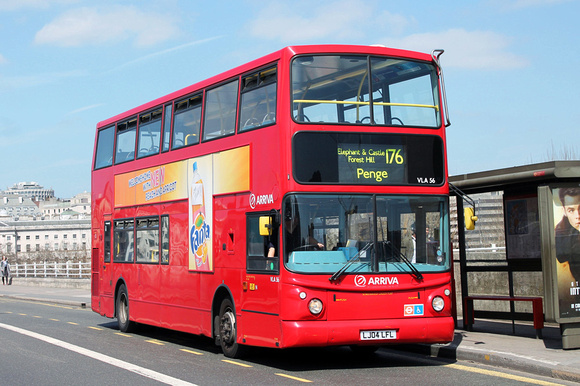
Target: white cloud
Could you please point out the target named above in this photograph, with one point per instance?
(3, 59)
(483, 50)
(164, 52)
(85, 108)
(340, 20)
(93, 26)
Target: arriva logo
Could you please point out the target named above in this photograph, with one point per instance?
(261, 199)
(361, 281)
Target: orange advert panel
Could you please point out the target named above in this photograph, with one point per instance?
(153, 185)
(196, 180)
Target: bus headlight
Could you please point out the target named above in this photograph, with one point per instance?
(315, 306)
(438, 303)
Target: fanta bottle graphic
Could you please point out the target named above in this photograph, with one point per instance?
(199, 228)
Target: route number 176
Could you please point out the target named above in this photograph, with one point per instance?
(394, 156)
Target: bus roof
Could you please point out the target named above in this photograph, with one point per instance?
(270, 58)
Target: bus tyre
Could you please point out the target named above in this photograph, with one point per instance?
(228, 330)
(125, 325)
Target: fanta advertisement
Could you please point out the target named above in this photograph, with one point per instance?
(200, 233)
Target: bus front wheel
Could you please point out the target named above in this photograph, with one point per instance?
(228, 330)
(125, 325)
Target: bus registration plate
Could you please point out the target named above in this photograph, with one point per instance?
(378, 334)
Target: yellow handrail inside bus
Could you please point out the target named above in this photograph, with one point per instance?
(366, 103)
(358, 98)
(187, 137)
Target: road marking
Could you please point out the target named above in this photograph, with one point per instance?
(500, 375)
(54, 320)
(190, 351)
(121, 334)
(294, 378)
(155, 342)
(73, 323)
(96, 328)
(37, 317)
(236, 363)
(22, 314)
(37, 302)
(100, 357)
(55, 305)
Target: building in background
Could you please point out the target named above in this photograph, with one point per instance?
(36, 226)
(29, 189)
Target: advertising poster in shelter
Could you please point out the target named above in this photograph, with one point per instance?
(566, 201)
(522, 227)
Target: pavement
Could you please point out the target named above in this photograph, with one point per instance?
(492, 343)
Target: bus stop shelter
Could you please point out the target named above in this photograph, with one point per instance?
(540, 202)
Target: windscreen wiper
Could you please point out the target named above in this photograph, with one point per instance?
(355, 259)
(414, 271)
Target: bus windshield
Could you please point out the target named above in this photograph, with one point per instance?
(365, 233)
(356, 89)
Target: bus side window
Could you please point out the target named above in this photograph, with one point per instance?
(262, 251)
(164, 246)
(147, 245)
(107, 242)
(126, 136)
(167, 127)
(149, 133)
(105, 142)
(124, 242)
(186, 122)
(258, 100)
(219, 117)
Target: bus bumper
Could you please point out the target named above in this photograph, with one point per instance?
(332, 333)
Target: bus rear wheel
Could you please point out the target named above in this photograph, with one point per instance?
(125, 325)
(228, 330)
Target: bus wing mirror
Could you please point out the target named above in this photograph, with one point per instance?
(470, 218)
(265, 226)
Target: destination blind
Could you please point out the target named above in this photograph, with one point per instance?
(368, 159)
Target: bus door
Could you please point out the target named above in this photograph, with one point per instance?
(106, 283)
(260, 296)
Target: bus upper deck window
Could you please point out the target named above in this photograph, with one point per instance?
(167, 127)
(220, 111)
(126, 135)
(149, 133)
(186, 122)
(105, 141)
(365, 90)
(258, 100)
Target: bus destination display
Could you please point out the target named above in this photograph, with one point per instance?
(368, 159)
(371, 164)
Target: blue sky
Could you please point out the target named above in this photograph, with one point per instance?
(511, 69)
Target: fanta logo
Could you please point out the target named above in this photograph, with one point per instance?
(361, 281)
(261, 199)
(200, 232)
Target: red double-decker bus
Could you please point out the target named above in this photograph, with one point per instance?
(298, 200)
